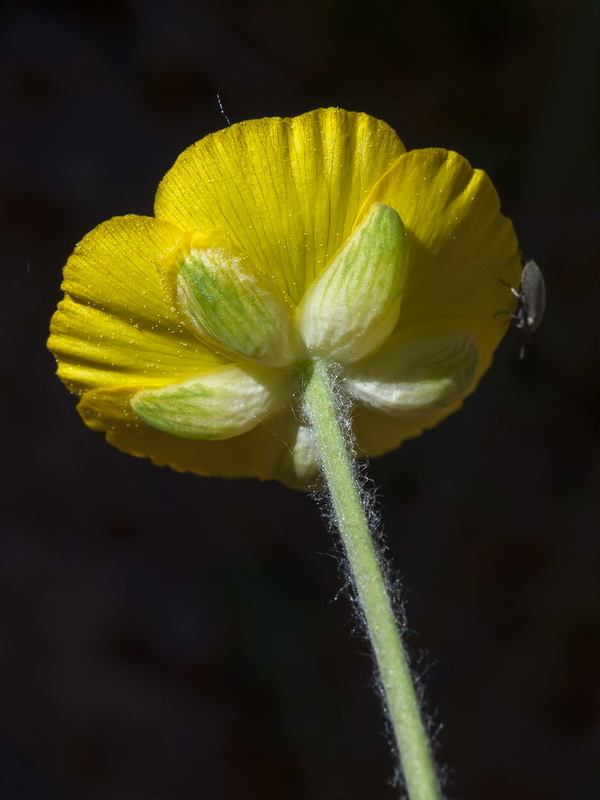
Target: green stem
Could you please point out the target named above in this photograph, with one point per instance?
(323, 412)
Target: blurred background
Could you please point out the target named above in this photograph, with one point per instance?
(167, 636)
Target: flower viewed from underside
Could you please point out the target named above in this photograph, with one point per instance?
(275, 242)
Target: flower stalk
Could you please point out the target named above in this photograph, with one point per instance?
(322, 409)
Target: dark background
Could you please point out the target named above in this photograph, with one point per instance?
(167, 636)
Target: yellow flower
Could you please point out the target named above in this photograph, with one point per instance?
(274, 242)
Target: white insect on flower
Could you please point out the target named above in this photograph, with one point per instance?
(532, 302)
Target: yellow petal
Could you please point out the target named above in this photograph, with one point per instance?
(218, 405)
(287, 191)
(352, 308)
(278, 448)
(378, 433)
(116, 325)
(417, 372)
(461, 248)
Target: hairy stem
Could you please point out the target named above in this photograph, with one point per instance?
(323, 412)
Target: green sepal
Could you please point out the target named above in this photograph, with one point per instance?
(353, 307)
(217, 405)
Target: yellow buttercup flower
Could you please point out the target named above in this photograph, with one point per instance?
(276, 242)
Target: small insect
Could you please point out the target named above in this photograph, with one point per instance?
(532, 302)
